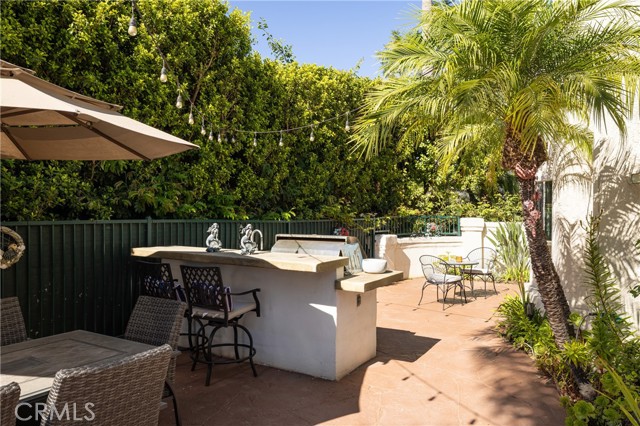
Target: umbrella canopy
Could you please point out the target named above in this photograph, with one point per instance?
(42, 121)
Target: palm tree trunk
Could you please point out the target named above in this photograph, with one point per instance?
(551, 292)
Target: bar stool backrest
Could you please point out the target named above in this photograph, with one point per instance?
(205, 288)
(155, 279)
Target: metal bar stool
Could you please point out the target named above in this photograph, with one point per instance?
(211, 304)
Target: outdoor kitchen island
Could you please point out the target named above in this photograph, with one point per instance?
(314, 319)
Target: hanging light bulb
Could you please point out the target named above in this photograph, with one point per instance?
(311, 137)
(133, 24)
(179, 100)
(233, 139)
(211, 135)
(219, 137)
(280, 143)
(255, 139)
(191, 120)
(163, 72)
(202, 130)
(346, 126)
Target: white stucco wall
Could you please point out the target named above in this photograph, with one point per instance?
(580, 190)
(402, 254)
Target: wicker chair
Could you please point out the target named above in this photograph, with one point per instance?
(486, 258)
(211, 305)
(155, 279)
(9, 397)
(123, 392)
(157, 321)
(12, 328)
(436, 272)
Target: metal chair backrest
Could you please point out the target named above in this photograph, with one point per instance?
(155, 279)
(125, 392)
(9, 397)
(485, 256)
(433, 265)
(12, 327)
(205, 288)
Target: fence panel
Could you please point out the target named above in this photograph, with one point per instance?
(78, 274)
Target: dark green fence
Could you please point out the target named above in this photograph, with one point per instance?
(77, 274)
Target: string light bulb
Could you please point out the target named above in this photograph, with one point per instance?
(233, 138)
(211, 135)
(311, 137)
(202, 130)
(191, 120)
(133, 24)
(163, 72)
(346, 126)
(280, 142)
(255, 139)
(219, 138)
(179, 100)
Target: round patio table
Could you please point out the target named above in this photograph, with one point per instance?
(464, 269)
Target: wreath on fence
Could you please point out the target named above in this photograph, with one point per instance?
(11, 247)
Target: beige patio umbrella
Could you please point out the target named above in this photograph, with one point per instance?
(43, 121)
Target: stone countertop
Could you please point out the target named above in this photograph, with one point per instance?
(363, 281)
(286, 261)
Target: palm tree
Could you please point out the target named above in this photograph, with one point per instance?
(508, 80)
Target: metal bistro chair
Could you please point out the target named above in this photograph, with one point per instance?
(486, 258)
(211, 305)
(9, 397)
(157, 321)
(436, 272)
(126, 392)
(12, 328)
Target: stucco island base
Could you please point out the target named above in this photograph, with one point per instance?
(314, 320)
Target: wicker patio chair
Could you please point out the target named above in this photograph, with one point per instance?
(486, 258)
(12, 328)
(436, 272)
(126, 392)
(211, 304)
(157, 321)
(155, 279)
(9, 397)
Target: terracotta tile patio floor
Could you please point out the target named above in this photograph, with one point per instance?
(432, 367)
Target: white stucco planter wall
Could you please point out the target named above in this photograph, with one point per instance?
(403, 254)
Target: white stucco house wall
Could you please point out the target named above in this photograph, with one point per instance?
(611, 185)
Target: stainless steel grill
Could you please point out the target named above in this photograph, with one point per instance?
(327, 245)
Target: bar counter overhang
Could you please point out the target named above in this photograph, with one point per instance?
(314, 320)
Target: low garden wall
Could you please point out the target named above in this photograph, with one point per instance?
(402, 254)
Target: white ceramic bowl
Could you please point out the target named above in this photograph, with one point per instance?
(374, 266)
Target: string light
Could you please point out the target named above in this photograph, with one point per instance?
(163, 72)
(133, 24)
(230, 132)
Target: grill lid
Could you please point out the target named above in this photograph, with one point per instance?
(327, 245)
